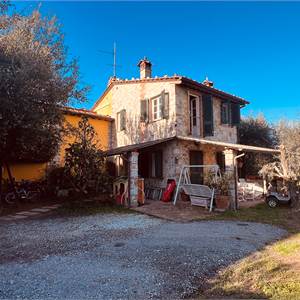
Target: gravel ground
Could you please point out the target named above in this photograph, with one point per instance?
(117, 256)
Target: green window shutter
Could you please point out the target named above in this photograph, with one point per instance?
(235, 114)
(144, 110)
(208, 119)
(123, 120)
(225, 111)
(165, 104)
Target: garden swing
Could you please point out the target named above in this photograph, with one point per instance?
(200, 195)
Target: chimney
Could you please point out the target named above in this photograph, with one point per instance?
(145, 68)
(208, 82)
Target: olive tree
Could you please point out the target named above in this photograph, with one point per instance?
(256, 131)
(287, 164)
(37, 77)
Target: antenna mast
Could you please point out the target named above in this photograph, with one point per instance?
(114, 54)
(115, 59)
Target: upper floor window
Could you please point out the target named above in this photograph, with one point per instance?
(157, 108)
(194, 115)
(225, 112)
(230, 113)
(121, 120)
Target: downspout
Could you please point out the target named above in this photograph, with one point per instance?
(236, 180)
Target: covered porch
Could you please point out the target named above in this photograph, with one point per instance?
(157, 162)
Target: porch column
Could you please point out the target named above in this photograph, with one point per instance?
(133, 178)
(229, 169)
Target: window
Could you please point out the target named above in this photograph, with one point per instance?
(225, 109)
(230, 113)
(220, 158)
(121, 120)
(156, 108)
(194, 115)
(151, 164)
(156, 164)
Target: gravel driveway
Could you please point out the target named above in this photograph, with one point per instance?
(115, 256)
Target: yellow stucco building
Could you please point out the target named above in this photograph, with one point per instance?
(102, 126)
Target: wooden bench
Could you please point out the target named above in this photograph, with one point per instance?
(200, 195)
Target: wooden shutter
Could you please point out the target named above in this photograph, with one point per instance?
(144, 110)
(165, 105)
(225, 107)
(208, 119)
(123, 119)
(235, 114)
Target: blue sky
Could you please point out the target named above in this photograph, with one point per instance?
(249, 49)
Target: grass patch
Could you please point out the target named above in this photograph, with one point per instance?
(264, 274)
(289, 247)
(272, 273)
(90, 208)
(281, 216)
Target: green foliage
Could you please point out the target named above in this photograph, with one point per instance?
(287, 164)
(36, 78)
(256, 131)
(84, 162)
(219, 183)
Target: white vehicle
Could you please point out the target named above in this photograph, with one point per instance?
(275, 198)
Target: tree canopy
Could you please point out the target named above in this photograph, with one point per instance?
(256, 131)
(37, 78)
(84, 163)
(287, 165)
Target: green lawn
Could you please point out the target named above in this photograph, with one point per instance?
(273, 272)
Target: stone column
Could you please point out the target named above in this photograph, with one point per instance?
(229, 169)
(133, 178)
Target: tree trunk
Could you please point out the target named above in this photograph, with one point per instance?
(11, 179)
(294, 195)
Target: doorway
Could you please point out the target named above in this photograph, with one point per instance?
(194, 115)
(196, 174)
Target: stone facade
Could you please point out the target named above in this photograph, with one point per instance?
(128, 97)
(175, 155)
(124, 95)
(222, 132)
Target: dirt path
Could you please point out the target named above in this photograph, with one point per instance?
(119, 255)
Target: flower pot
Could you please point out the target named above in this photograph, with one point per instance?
(222, 202)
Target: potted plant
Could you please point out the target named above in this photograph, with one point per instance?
(222, 192)
(221, 186)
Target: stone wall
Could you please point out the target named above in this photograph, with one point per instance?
(128, 97)
(222, 132)
(175, 155)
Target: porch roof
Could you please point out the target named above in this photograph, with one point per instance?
(239, 147)
(134, 147)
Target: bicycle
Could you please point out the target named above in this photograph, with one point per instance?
(22, 192)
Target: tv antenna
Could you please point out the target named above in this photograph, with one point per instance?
(114, 54)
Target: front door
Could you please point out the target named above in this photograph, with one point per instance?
(196, 174)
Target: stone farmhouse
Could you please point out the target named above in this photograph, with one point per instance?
(163, 123)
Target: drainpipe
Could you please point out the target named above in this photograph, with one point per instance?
(236, 180)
